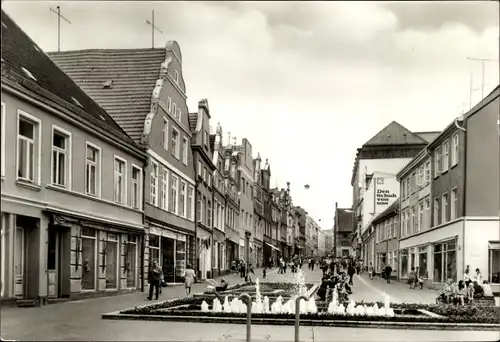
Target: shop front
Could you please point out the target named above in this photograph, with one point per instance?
(219, 253)
(168, 248)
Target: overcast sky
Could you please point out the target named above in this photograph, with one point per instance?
(307, 83)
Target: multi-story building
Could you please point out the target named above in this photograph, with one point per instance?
(72, 212)
(312, 229)
(275, 225)
(386, 153)
(232, 202)
(269, 247)
(259, 211)
(464, 201)
(245, 178)
(415, 212)
(219, 265)
(343, 226)
(199, 124)
(329, 241)
(144, 92)
(301, 237)
(321, 243)
(385, 226)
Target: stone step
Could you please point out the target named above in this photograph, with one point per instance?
(57, 300)
(24, 303)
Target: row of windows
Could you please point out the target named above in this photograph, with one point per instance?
(247, 219)
(442, 213)
(418, 179)
(417, 218)
(170, 192)
(171, 140)
(204, 210)
(29, 161)
(387, 229)
(442, 160)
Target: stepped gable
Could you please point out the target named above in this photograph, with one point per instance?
(120, 80)
(26, 66)
(395, 134)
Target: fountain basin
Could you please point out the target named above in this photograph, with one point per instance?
(413, 317)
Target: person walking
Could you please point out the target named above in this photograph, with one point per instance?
(370, 271)
(351, 270)
(189, 278)
(154, 277)
(388, 271)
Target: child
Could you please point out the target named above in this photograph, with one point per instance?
(470, 291)
(421, 282)
(370, 271)
(461, 292)
(412, 278)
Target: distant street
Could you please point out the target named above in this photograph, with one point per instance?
(81, 320)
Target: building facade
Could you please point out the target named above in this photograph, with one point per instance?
(386, 228)
(259, 211)
(312, 229)
(145, 93)
(72, 212)
(386, 153)
(206, 237)
(343, 227)
(329, 241)
(464, 203)
(321, 243)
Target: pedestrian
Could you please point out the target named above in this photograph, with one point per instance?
(351, 270)
(388, 271)
(412, 278)
(154, 277)
(242, 269)
(370, 271)
(264, 273)
(189, 277)
(358, 267)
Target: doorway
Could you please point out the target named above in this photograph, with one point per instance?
(168, 261)
(19, 263)
(58, 265)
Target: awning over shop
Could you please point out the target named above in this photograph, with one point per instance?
(275, 248)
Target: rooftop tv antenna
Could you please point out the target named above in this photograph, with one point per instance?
(153, 28)
(59, 16)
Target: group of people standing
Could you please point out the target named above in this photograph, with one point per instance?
(337, 276)
(293, 263)
(156, 280)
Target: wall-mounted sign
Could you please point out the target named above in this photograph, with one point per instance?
(384, 196)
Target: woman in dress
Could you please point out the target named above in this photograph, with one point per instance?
(189, 277)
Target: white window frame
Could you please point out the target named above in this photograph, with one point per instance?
(98, 169)
(428, 212)
(67, 152)
(176, 197)
(199, 168)
(453, 203)
(193, 208)
(183, 184)
(178, 114)
(455, 142)
(154, 200)
(175, 151)
(169, 104)
(185, 147)
(421, 216)
(427, 172)
(444, 207)
(37, 146)
(139, 188)
(124, 180)
(165, 190)
(174, 109)
(445, 162)
(437, 162)
(166, 135)
(435, 214)
(3, 148)
(176, 76)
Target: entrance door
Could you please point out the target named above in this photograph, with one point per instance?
(53, 263)
(19, 263)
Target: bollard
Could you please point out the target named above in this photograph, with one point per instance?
(246, 298)
(297, 315)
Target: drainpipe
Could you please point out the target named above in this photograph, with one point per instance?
(461, 118)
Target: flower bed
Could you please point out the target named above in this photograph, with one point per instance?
(404, 313)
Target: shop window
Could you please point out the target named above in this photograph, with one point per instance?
(445, 262)
(111, 255)
(131, 261)
(404, 263)
(422, 262)
(180, 258)
(494, 263)
(88, 259)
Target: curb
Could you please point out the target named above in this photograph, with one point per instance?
(116, 315)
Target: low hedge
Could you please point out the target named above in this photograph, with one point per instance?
(451, 313)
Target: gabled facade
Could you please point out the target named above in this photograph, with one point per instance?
(232, 197)
(205, 168)
(269, 247)
(144, 91)
(275, 225)
(220, 217)
(72, 210)
(259, 211)
(387, 152)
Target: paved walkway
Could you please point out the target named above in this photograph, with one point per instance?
(81, 320)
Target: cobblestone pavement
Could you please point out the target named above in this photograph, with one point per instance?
(81, 320)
